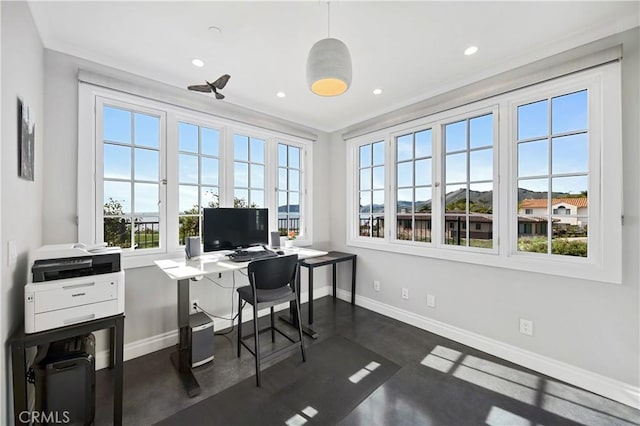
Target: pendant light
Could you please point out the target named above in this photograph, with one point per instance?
(329, 65)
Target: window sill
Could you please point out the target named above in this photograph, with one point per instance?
(135, 260)
(571, 267)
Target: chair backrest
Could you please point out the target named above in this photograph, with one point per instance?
(272, 273)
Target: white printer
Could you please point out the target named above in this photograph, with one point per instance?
(73, 283)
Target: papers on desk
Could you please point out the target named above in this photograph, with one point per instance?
(167, 264)
(181, 272)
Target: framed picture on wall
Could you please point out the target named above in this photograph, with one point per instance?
(26, 141)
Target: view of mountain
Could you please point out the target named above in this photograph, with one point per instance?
(476, 198)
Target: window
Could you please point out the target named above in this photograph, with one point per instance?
(248, 171)
(289, 188)
(371, 190)
(198, 176)
(130, 145)
(552, 140)
(513, 181)
(468, 180)
(414, 158)
(156, 166)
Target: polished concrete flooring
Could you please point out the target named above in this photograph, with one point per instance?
(440, 382)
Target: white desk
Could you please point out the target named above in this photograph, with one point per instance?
(182, 270)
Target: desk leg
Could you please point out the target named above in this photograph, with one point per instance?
(117, 335)
(334, 280)
(180, 358)
(310, 295)
(112, 347)
(292, 318)
(19, 380)
(353, 282)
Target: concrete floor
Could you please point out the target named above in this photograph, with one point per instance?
(440, 382)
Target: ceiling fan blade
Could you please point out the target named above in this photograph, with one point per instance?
(219, 95)
(222, 81)
(200, 88)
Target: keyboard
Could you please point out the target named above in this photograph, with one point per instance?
(248, 256)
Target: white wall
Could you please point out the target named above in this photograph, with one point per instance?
(590, 325)
(150, 297)
(22, 77)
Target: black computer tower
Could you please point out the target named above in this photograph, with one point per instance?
(65, 381)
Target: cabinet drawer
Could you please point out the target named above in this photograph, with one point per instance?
(80, 292)
(64, 317)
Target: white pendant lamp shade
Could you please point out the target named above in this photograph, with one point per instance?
(329, 67)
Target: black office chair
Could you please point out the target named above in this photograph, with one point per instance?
(272, 282)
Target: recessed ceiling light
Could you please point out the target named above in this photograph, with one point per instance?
(281, 94)
(377, 91)
(470, 50)
(198, 63)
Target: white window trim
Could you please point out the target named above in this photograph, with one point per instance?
(89, 207)
(604, 261)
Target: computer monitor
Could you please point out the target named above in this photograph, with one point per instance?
(232, 229)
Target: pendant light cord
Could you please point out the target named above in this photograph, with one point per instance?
(328, 19)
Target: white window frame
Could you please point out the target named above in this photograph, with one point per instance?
(605, 207)
(90, 198)
(305, 236)
(201, 120)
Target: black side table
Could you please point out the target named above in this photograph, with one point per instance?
(332, 258)
(20, 341)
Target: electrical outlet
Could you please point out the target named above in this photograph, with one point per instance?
(194, 302)
(376, 285)
(431, 301)
(526, 327)
(405, 293)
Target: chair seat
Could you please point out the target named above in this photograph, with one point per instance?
(246, 293)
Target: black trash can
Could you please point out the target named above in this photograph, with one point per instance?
(65, 382)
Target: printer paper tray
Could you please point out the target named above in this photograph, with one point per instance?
(69, 316)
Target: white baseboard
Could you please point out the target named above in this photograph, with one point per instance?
(161, 341)
(593, 382)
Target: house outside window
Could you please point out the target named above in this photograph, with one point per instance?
(553, 164)
(414, 159)
(468, 179)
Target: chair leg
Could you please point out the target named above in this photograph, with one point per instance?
(239, 323)
(273, 329)
(304, 358)
(256, 339)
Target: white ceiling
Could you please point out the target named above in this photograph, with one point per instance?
(412, 50)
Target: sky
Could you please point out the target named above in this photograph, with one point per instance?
(546, 155)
